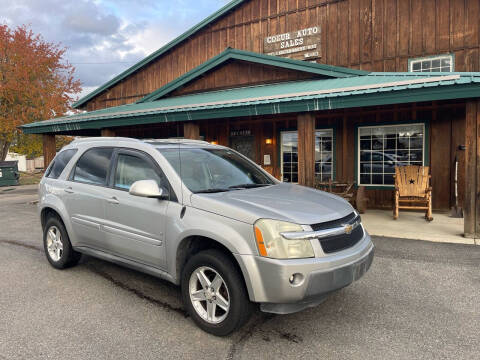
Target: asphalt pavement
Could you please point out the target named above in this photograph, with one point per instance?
(420, 300)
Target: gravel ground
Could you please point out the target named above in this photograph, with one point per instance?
(419, 300)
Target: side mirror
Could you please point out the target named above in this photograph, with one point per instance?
(147, 189)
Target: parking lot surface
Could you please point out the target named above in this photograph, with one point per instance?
(420, 300)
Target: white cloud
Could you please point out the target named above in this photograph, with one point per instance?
(106, 37)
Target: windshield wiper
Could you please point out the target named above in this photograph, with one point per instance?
(248, 186)
(210, 191)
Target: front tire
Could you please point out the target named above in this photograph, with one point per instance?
(214, 293)
(57, 246)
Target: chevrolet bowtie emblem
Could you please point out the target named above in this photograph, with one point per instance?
(348, 229)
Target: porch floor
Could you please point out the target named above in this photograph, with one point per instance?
(412, 225)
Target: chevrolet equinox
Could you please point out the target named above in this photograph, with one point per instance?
(203, 217)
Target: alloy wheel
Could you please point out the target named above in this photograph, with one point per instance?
(209, 295)
(54, 243)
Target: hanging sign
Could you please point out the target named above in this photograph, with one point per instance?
(302, 44)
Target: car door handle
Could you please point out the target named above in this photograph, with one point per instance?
(113, 200)
(69, 190)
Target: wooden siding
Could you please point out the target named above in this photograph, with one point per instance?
(240, 73)
(379, 35)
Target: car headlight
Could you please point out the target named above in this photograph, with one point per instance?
(272, 244)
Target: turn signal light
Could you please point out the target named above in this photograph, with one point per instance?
(261, 245)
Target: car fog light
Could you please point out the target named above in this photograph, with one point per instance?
(296, 279)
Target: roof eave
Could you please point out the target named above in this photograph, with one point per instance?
(288, 106)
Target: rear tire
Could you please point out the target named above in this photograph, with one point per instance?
(214, 293)
(57, 246)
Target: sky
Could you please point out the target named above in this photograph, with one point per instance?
(105, 37)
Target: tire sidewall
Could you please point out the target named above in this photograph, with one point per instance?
(67, 248)
(239, 302)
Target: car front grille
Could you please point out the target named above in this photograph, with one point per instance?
(336, 243)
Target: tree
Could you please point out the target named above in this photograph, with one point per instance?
(32, 145)
(36, 83)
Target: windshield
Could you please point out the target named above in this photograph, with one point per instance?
(214, 170)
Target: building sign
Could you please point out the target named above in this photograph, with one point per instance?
(240, 133)
(301, 44)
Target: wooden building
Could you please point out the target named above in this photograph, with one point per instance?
(341, 89)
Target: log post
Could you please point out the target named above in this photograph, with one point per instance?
(306, 149)
(108, 132)
(471, 208)
(344, 148)
(49, 149)
(191, 131)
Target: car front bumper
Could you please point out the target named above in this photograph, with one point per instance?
(268, 280)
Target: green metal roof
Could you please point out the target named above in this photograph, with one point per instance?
(224, 10)
(229, 54)
(300, 96)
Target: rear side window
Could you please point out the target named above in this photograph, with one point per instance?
(93, 165)
(60, 162)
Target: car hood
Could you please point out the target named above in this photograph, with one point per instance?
(287, 202)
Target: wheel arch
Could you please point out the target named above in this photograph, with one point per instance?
(53, 206)
(48, 211)
(194, 244)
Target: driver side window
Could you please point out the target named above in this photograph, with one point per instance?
(131, 169)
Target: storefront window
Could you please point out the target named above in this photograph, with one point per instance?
(382, 148)
(324, 163)
(289, 144)
(324, 154)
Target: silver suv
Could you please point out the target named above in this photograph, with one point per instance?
(206, 218)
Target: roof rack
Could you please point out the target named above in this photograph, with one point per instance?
(176, 141)
(103, 138)
(146, 141)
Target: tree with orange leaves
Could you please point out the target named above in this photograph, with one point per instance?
(36, 83)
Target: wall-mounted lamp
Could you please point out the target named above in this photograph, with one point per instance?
(268, 141)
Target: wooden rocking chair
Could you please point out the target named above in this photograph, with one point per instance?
(412, 190)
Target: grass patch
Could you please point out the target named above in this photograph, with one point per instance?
(30, 178)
